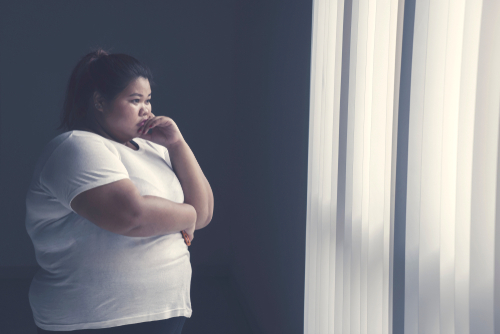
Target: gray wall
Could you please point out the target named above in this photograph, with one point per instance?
(272, 103)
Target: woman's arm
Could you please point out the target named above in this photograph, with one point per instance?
(197, 191)
(210, 195)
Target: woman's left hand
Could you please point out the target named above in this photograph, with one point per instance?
(164, 131)
(190, 232)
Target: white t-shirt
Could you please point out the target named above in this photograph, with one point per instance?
(90, 277)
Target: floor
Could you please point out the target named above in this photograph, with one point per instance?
(215, 308)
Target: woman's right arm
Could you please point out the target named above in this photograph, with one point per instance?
(119, 208)
(160, 216)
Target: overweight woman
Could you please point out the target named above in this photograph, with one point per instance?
(112, 208)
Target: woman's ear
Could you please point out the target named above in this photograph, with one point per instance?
(99, 102)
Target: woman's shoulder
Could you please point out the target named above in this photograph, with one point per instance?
(79, 142)
(83, 134)
(75, 135)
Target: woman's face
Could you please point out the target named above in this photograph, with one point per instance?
(133, 105)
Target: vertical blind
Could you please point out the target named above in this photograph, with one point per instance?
(452, 250)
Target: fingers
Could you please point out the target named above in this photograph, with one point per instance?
(187, 238)
(148, 124)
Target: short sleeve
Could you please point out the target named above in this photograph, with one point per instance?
(167, 156)
(78, 164)
(162, 150)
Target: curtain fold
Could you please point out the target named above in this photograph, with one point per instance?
(452, 168)
(451, 185)
(348, 266)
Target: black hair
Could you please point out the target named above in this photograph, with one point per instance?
(101, 72)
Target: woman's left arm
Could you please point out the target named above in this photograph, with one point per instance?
(210, 195)
(197, 191)
(195, 186)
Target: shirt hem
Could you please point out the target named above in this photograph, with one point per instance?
(118, 322)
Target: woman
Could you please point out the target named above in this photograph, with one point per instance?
(112, 207)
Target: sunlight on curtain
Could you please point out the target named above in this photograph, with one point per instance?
(322, 177)
(348, 248)
(451, 200)
(452, 167)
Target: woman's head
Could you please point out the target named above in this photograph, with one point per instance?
(97, 95)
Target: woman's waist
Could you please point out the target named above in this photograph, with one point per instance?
(74, 277)
(99, 295)
(112, 259)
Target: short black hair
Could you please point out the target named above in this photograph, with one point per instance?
(102, 72)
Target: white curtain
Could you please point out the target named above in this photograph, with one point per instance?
(451, 184)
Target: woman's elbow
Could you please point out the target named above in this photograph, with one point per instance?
(205, 222)
(209, 219)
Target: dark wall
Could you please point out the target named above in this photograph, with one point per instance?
(188, 45)
(272, 79)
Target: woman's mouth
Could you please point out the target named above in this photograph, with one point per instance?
(142, 123)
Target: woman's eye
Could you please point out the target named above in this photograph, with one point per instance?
(148, 101)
